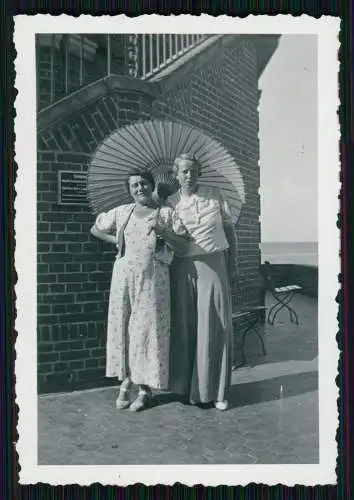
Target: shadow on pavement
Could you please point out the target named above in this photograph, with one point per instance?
(165, 398)
(253, 393)
(285, 341)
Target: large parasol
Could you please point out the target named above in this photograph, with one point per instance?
(153, 146)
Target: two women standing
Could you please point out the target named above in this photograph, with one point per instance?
(183, 346)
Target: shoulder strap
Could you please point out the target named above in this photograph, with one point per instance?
(130, 211)
(120, 237)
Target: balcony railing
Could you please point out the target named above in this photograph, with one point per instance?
(155, 52)
(67, 62)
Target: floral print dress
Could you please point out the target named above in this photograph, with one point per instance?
(138, 333)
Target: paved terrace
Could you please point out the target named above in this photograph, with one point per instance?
(273, 416)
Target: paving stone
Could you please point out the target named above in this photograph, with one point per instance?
(263, 425)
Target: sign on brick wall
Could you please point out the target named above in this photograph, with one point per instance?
(72, 187)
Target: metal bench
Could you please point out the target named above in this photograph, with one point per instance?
(254, 316)
(282, 295)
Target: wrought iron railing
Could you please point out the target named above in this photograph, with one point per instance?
(67, 62)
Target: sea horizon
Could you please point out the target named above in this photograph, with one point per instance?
(290, 252)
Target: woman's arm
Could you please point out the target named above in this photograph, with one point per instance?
(170, 228)
(178, 243)
(229, 230)
(109, 238)
(105, 225)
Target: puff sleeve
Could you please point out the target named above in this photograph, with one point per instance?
(106, 222)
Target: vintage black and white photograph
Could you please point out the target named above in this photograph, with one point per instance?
(177, 286)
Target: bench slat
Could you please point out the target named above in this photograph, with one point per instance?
(248, 312)
(239, 315)
(288, 288)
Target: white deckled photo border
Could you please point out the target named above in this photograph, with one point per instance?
(327, 31)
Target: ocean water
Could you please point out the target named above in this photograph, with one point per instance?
(303, 253)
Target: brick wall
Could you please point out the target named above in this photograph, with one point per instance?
(74, 269)
(72, 274)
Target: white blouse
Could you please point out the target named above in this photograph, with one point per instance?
(204, 215)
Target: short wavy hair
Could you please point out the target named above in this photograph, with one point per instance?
(186, 157)
(145, 174)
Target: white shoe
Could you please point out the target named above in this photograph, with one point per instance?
(123, 400)
(221, 405)
(141, 402)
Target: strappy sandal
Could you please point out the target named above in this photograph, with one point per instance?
(123, 401)
(142, 401)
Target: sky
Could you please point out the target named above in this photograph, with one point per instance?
(288, 142)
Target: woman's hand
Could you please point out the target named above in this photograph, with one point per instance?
(159, 229)
(108, 238)
(158, 226)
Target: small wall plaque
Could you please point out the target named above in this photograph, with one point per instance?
(72, 187)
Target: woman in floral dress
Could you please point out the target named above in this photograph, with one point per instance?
(138, 336)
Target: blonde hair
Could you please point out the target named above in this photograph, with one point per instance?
(186, 157)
